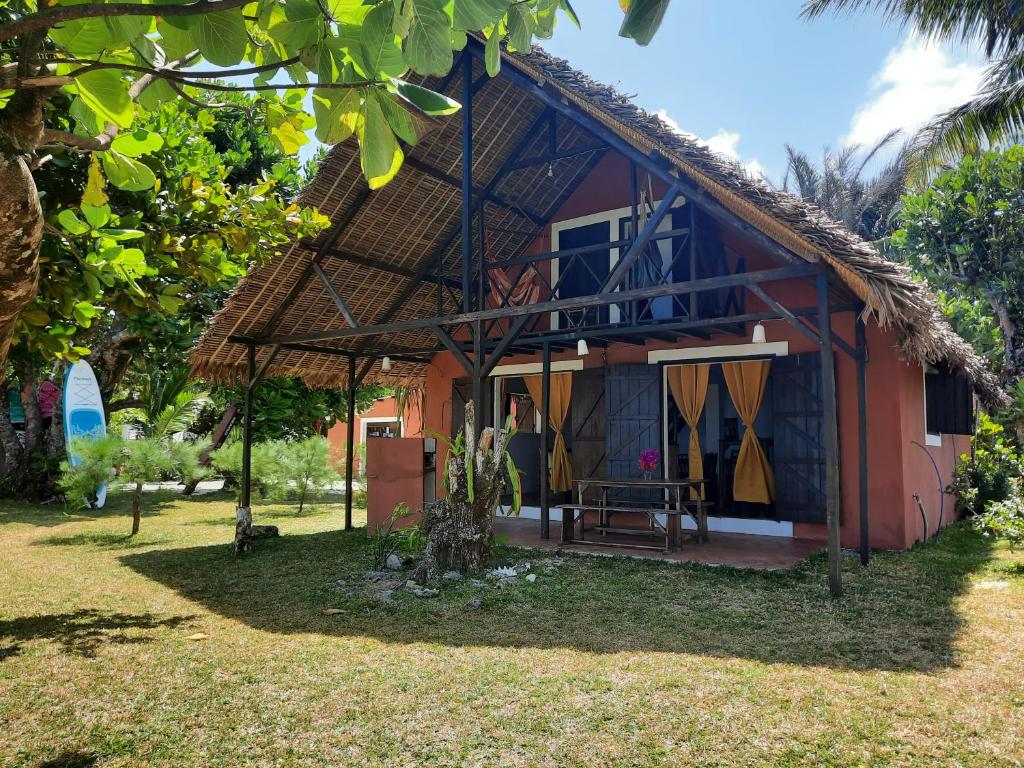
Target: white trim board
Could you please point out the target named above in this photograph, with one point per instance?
(365, 420)
(745, 525)
(771, 348)
(526, 369)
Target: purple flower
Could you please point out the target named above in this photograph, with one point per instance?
(649, 459)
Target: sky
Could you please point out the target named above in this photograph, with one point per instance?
(749, 76)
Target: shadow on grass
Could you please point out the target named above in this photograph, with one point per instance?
(107, 540)
(75, 759)
(82, 632)
(898, 614)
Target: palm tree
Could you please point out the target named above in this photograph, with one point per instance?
(839, 186)
(995, 116)
(171, 405)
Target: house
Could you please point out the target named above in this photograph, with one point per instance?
(613, 286)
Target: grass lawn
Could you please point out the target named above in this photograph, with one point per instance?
(605, 661)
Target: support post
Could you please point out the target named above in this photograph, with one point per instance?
(545, 404)
(243, 514)
(350, 429)
(467, 182)
(634, 225)
(828, 394)
(862, 438)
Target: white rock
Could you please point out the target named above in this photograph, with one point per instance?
(452, 576)
(393, 563)
(531, 578)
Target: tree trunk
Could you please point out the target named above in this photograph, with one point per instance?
(246, 533)
(460, 531)
(136, 508)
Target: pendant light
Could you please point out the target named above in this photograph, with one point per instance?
(385, 364)
(581, 348)
(758, 337)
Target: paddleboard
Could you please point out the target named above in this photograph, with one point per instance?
(83, 413)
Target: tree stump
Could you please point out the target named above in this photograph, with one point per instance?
(246, 533)
(459, 528)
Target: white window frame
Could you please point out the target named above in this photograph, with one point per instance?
(365, 420)
(930, 438)
(612, 217)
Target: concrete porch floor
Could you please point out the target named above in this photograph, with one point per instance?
(739, 550)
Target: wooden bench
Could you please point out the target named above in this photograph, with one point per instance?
(672, 532)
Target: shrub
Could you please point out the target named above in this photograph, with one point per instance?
(306, 468)
(1004, 519)
(988, 476)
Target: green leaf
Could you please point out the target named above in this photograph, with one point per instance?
(96, 215)
(155, 94)
(428, 49)
(91, 283)
(71, 223)
(302, 27)
(642, 20)
(427, 101)
(492, 54)
(84, 312)
(379, 153)
(336, 113)
(521, 26)
(126, 173)
(570, 12)
(220, 36)
(169, 304)
(106, 94)
(382, 55)
(176, 37)
(348, 11)
(97, 34)
(477, 14)
(86, 122)
(398, 118)
(122, 234)
(137, 143)
(285, 130)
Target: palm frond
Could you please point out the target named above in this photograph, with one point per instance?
(992, 118)
(178, 415)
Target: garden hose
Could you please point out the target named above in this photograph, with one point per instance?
(942, 493)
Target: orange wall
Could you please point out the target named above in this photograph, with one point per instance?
(897, 468)
(412, 425)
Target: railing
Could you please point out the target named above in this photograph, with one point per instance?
(537, 278)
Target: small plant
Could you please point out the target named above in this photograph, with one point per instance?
(266, 466)
(386, 541)
(306, 468)
(1004, 519)
(136, 462)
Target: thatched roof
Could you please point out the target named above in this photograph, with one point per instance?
(412, 219)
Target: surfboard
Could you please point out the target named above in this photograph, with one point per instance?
(83, 413)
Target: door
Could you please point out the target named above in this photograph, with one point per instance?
(589, 421)
(799, 433)
(633, 405)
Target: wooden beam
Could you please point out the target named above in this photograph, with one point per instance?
(640, 240)
(828, 394)
(507, 340)
(554, 157)
(245, 500)
(451, 345)
(339, 302)
(545, 481)
(350, 430)
(262, 370)
(555, 305)
(862, 439)
(792, 319)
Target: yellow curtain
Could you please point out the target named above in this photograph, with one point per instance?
(558, 409)
(689, 385)
(754, 479)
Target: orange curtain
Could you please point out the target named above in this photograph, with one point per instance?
(689, 385)
(561, 391)
(754, 479)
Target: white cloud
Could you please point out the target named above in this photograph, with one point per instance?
(918, 80)
(723, 143)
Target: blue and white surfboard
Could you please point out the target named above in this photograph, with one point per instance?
(83, 413)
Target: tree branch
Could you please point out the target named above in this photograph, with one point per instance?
(50, 17)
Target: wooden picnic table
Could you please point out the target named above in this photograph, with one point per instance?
(677, 502)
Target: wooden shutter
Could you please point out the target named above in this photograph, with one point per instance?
(799, 438)
(589, 424)
(633, 398)
(949, 403)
